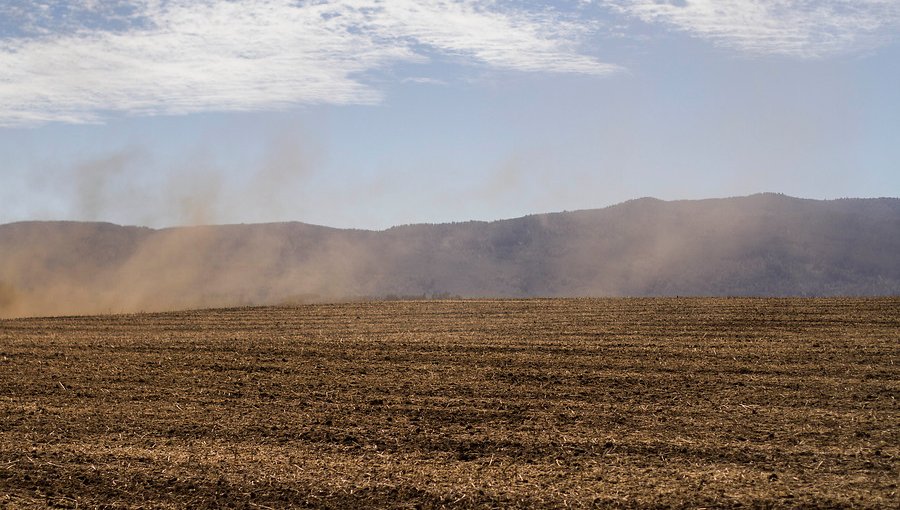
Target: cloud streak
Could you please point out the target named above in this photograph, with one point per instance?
(792, 28)
(182, 56)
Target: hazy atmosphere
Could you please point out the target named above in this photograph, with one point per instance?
(449, 254)
(368, 114)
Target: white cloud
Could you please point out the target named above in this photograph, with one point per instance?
(510, 39)
(182, 56)
(795, 28)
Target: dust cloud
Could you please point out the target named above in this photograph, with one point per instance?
(100, 186)
(135, 186)
(53, 268)
(64, 268)
(8, 300)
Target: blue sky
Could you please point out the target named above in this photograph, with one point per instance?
(368, 114)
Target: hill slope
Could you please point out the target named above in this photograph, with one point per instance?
(763, 244)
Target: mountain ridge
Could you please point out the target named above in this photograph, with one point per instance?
(763, 244)
(647, 199)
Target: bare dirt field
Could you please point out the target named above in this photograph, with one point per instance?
(526, 403)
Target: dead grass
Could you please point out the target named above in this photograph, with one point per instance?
(534, 403)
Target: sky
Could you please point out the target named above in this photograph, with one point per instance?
(368, 114)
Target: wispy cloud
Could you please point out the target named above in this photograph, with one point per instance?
(795, 28)
(507, 39)
(81, 61)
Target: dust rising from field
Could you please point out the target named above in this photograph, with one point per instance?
(526, 403)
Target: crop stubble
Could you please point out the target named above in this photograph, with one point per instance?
(550, 403)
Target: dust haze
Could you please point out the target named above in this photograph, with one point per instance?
(53, 268)
(764, 245)
(137, 186)
(89, 268)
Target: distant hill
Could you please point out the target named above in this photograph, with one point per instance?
(766, 244)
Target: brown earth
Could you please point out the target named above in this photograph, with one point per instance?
(529, 403)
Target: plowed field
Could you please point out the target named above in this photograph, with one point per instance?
(528, 403)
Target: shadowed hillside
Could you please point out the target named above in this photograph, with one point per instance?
(759, 245)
